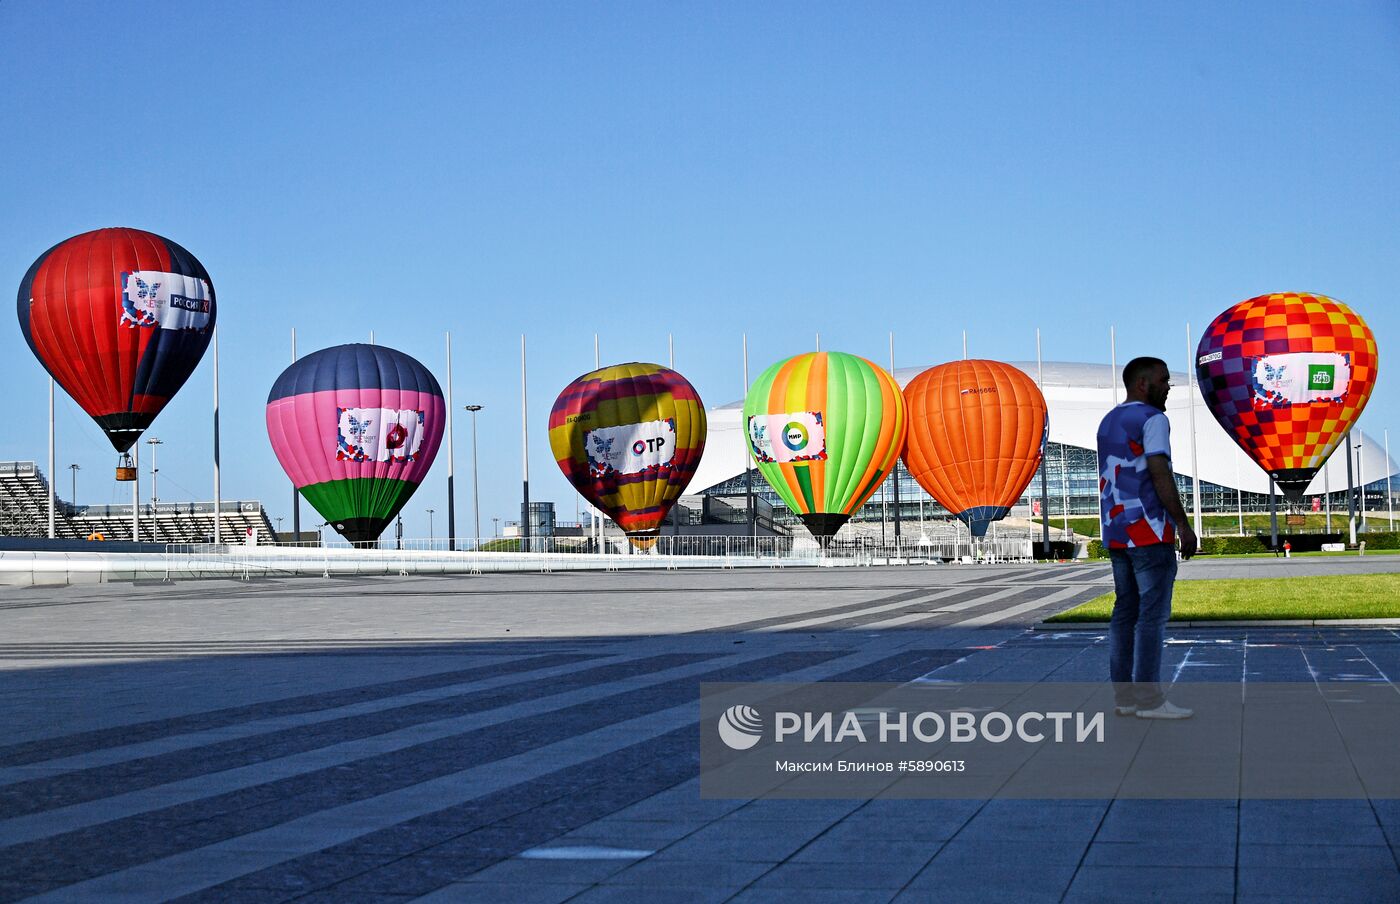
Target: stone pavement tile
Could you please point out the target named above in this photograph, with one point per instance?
(758, 895)
(873, 874)
(1035, 820)
(938, 827)
(732, 839)
(1129, 884)
(630, 833)
(1004, 879)
(1160, 853)
(658, 894)
(415, 875)
(1170, 822)
(654, 874)
(501, 893)
(1309, 822)
(14, 889)
(844, 848)
(828, 811)
(1315, 856)
(550, 872)
(1334, 885)
(973, 854)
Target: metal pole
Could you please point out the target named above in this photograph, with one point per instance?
(1191, 404)
(371, 337)
(1361, 478)
(218, 504)
(524, 452)
(451, 458)
(1273, 514)
(1044, 465)
(895, 469)
(595, 517)
(53, 491)
(1327, 491)
(296, 496)
(153, 442)
(964, 346)
(136, 493)
(476, 492)
(1239, 495)
(1064, 488)
(1113, 363)
(1390, 498)
(748, 451)
(670, 351)
(1351, 495)
(74, 469)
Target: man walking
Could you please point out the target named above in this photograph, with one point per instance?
(1141, 516)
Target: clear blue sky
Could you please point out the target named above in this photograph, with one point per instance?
(705, 170)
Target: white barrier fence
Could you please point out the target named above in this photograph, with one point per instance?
(545, 555)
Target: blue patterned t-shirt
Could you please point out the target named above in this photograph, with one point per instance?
(1129, 509)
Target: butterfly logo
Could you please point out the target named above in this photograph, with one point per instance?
(140, 310)
(1274, 374)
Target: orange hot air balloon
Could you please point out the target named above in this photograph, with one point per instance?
(976, 430)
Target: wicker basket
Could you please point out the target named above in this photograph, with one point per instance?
(126, 474)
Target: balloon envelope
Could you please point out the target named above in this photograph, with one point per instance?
(975, 437)
(356, 428)
(629, 437)
(825, 429)
(1287, 375)
(120, 318)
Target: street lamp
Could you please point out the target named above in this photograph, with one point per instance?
(279, 524)
(430, 528)
(75, 469)
(476, 495)
(153, 442)
(495, 527)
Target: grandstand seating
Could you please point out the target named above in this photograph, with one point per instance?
(24, 512)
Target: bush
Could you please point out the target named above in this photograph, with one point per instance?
(1097, 550)
(1381, 539)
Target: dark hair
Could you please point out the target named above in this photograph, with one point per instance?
(1138, 368)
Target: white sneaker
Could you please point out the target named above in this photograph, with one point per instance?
(1125, 710)
(1167, 710)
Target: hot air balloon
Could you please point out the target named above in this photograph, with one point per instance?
(976, 430)
(1287, 375)
(119, 317)
(356, 428)
(629, 437)
(825, 429)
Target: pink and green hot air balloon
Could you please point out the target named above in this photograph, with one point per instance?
(356, 428)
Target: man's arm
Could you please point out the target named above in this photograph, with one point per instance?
(1159, 468)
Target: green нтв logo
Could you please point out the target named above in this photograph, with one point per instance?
(1322, 376)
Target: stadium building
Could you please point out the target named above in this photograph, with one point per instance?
(1078, 395)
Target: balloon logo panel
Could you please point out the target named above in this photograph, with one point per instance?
(120, 318)
(629, 438)
(976, 431)
(1287, 375)
(356, 428)
(825, 429)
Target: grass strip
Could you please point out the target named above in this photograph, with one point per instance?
(1243, 599)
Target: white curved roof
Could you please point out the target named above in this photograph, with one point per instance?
(1078, 396)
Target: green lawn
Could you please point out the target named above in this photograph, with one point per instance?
(1253, 523)
(1331, 596)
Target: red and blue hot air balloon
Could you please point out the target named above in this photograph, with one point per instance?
(120, 318)
(356, 428)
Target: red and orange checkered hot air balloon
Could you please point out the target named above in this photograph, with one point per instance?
(629, 437)
(976, 431)
(1287, 375)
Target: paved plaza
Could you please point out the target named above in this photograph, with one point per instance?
(533, 738)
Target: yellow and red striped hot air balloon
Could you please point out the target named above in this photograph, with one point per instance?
(629, 437)
(825, 429)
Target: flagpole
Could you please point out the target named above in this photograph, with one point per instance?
(748, 452)
(53, 489)
(1191, 404)
(296, 496)
(451, 457)
(1113, 364)
(218, 505)
(894, 471)
(524, 453)
(1044, 462)
(136, 494)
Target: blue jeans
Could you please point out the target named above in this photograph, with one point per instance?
(1142, 579)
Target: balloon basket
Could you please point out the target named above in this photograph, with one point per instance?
(126, 470)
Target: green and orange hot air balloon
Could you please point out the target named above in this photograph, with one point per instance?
(629, 437)
(976, 430)
(825, 428)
